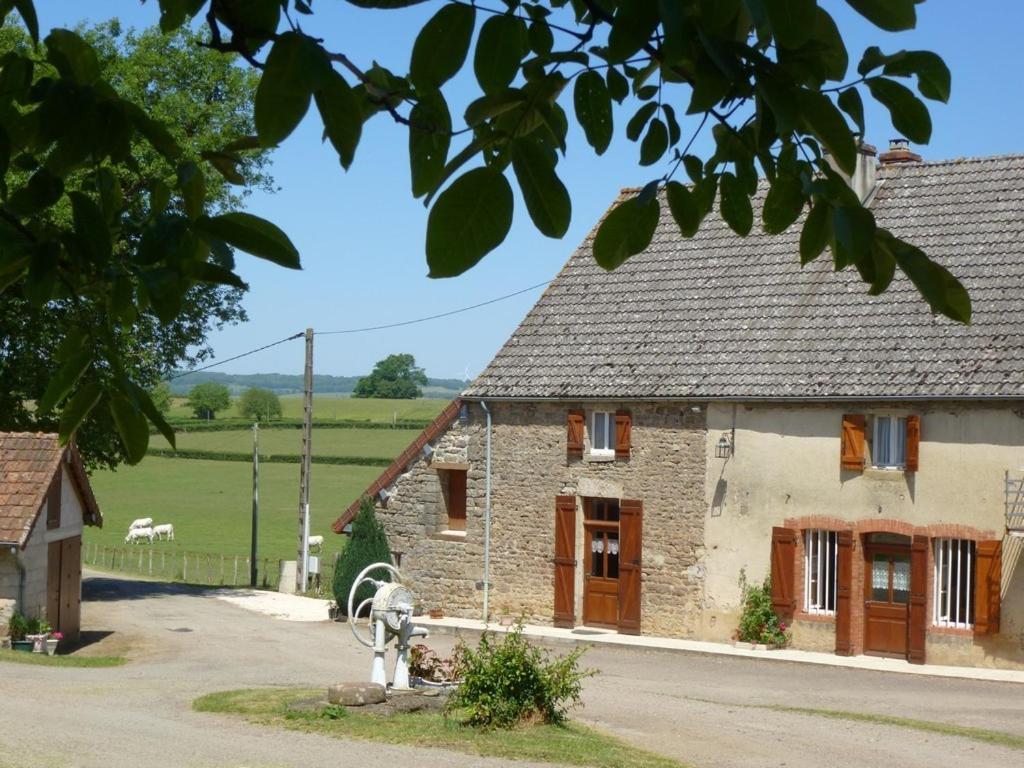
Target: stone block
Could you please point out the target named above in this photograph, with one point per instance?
(356, 694)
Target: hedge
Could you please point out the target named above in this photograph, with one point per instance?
(270, 458)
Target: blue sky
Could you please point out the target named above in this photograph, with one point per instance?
(361, 233)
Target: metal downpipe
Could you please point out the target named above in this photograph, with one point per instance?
(487, 516)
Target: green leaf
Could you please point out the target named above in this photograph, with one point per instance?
(636, 124)
(42, 274)
(499, 49)
(890, 15)
(594, 110)
(943, 292)
(193, 189)
(851, 103)
(492, 105)
(618, 86)
(879, 268)
(251, 234)
(546, 197)
(72, 56)
(226, 164)
(384, 4)
(295, 68)
(735, 206)
(91, 228)
(27, 11)
(853, 231)
(933, 78)
(71, 370)
(429, 141)
(79, 407)
(153, 414)
(655, 143)
(634, 23)
(685, 209)
(469, 220)
(792, 21)
(625, 232)
(540, 38)
(43, 190)
(441, 46)
(826, 123)
(155, 132)
(816, 233)
(909, 114)
(783, 204)
(131, 426)
(341, 115)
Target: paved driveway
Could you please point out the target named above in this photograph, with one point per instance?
(702, 709)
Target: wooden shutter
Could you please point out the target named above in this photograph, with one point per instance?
(631, 514)
(623, 434)
(53, 500)
(913, 442)
(988, 572)
(782, 571)
(844, 592)
(71, 588)
(852, 451)
(565, 561)
(917, 618)
(574, 438)
(53, 583)
(456, 499)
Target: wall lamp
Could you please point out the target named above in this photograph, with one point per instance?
(723, 448)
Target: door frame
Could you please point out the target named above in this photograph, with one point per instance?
(886, 548)
(589, 526)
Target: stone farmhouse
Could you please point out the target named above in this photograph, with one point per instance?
(711, 410)
(45, 500)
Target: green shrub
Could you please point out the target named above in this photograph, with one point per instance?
(17, 626)
(368, 545)
(513, 681)
(759, 623)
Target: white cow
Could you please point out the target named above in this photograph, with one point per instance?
(138, 534)
(315, 542)
(142, 522)
(166, 529)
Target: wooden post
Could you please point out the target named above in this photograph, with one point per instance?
(184, 566)
(304, 468)
(255, 503)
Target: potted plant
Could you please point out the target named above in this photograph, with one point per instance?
(38, 631)
(18, 627)
(52, 642)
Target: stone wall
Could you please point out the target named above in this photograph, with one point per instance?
(529, 469)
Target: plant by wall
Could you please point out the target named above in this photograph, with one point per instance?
(759, 623)
(507, 683)
(369, 545)
(17, 626)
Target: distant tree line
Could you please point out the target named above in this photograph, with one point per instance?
(284, 384)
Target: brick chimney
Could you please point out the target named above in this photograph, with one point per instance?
(864, 173)
(899, 152)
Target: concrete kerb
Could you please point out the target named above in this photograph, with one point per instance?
(608, 638)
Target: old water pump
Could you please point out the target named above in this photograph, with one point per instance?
(390, 616)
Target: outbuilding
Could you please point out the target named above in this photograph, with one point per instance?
(45, 502)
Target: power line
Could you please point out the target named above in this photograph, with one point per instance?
(432, 317)
(236, 357)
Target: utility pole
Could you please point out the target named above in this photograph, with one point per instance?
(255, 502)
(301, 578)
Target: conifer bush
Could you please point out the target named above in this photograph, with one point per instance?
(368, 545)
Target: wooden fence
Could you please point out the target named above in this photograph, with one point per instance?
(202, 568)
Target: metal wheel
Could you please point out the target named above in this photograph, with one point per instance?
(366, 634)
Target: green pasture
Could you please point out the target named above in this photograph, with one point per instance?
(379, 443)
(337, 408)
(210, 504)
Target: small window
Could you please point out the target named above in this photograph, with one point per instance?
(455, 498)
(889, 442)
(954, 583)
(602, 433)
(820, 572)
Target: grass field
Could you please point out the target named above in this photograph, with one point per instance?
(338, 407)
(381, 443)
(210, 503)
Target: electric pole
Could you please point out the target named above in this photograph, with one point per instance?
(255, 502)
(301, 578)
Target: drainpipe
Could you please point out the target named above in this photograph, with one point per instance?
(487, 516)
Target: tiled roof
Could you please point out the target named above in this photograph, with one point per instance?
(28, 462)
(399, 465)
(720, 316)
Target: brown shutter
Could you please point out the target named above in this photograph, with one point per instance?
(988, 574)
(631, 513)
(623, 434)
(852, 452)
(53, 500)
(917, 619)
(565, 561)
(844, 592)
(574, 439)
(53, 577)
(71, 588)
(783, 561)
(913, 442)
(456, 499)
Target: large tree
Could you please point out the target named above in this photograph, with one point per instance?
(258, 404)
(207, 398)
(769, 79)
(201, 96)
(396, 377)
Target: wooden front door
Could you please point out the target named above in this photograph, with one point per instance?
(886, 596)
(601, 563)
(64, 586)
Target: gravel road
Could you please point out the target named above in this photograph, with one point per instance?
(705, 710)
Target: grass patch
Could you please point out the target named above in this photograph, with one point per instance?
(337, 408)
(378, 443)
(42, 660)
(571, 744)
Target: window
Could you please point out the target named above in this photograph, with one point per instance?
(455, 498)
(889, 442)
(954, 583)
(820, 572)
(602, 433)
(602, 526)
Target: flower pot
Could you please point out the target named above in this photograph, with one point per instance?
(436, 613)
(22, 645)
(51, 645)
(38, 643)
